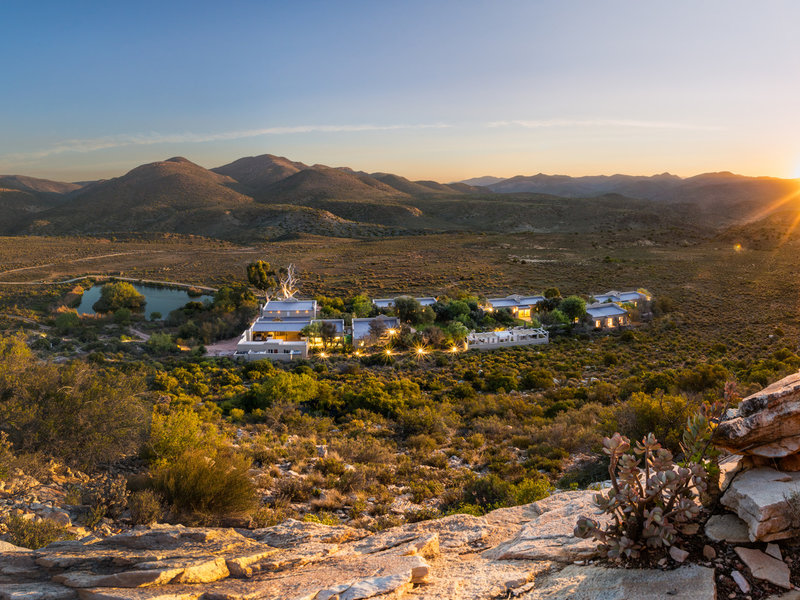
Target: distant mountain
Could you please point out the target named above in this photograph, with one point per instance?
(722, 197)
(268, 197)
(36, 186)
(258, 172)
(484, 181)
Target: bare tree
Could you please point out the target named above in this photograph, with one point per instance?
(289, 282)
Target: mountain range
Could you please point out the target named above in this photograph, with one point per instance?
(268, 197)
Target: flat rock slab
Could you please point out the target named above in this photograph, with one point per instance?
(759, 497)
(727, 528)
(765, 567)
(549, 536)
(691, 582)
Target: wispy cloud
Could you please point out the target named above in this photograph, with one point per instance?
(618, 123)
(82, 146)
(150, 139)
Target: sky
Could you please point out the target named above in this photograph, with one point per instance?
(442, 90)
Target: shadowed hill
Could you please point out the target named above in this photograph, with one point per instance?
(36, 186)
(323, 183)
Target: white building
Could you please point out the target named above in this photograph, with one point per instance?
(518, 336)
(363, 329)
(522, 307)
(389, 302)
(607, 315)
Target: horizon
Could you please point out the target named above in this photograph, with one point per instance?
(355, 168)
(446, 92)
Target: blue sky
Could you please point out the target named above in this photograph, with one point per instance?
(443, 90)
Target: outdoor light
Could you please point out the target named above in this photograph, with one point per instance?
(420, 350)
(454, 349)
(388, 352)
(392, 331)
(322, 355)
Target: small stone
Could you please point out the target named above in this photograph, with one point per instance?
(727, 528)
(774, 551)
(678, 554)
(741, 582)
(765, 567)
(709, 553)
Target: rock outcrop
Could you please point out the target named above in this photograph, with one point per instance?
(766, 424)
(520, 552)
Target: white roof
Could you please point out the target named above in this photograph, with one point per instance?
(389, 302)
(270, 325)
(361, 326)
(291, 304)
(515, 300)
(608, 309)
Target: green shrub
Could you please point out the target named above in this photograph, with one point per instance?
(35, 534)
(145, 507)
(177, 432)
(206, 488)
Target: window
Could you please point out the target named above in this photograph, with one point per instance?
(610, 322)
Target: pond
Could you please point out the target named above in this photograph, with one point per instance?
(159, 299)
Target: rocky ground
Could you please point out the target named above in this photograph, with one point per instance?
(522, 552)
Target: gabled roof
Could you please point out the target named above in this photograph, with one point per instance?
(600, 310)
(291, 304)
(389, 302)
(339, 323)
(295, 325)
(515, 300)
(361, 326)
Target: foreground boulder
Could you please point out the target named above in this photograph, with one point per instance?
(766, 424)
(513, 552)
(768, 501)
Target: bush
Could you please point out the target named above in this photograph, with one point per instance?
(106, 495)
(35, 534)
(80, 413)
(119, 295)
(145, 507)
(205, 488)
(175, 433)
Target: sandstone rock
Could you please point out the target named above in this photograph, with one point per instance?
(759, 497)
(549, 536)
(793, 595)
(35, 591)
(8, 547)
(765, 567)
(766, 423)
(709, 553)
(677, 554)
(774, 551)
(740, 581)
(595, 583)
(727, 528)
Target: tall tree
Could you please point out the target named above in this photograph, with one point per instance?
(261, 276)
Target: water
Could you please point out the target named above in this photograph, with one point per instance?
(159, 299)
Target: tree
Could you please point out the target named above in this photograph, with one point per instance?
(262, 277)
(327, 332)
(361, 305)
(289, 281)
(552, 292)
(119, 294)
(67, 321)
(376, 329)
(573, 307)
(407, 309)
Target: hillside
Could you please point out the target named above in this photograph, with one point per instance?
(268, 196)
(258, 172)
(722, 198)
